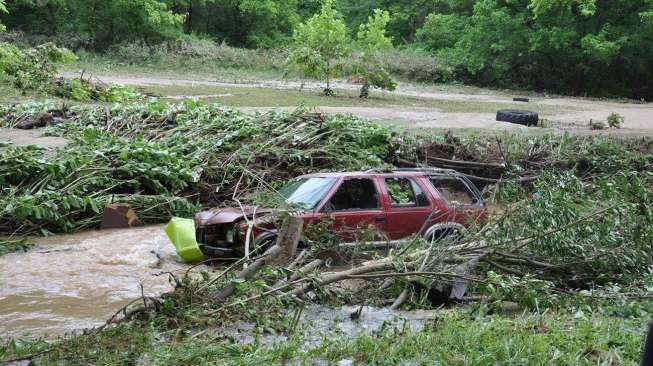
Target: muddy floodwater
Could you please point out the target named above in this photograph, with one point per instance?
(72, 282)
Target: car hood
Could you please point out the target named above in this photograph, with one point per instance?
(229, 215)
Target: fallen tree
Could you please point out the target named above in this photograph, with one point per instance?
(169, 159)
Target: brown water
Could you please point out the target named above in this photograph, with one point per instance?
(72, 282)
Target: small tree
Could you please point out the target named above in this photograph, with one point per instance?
(372, 39)
(615, 120)
(320, 44)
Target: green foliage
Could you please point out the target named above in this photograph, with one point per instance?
(3, 9)
(371, 36)
(35, 68)
(598, 125)
(528, 291)
(571, 46)
(371, 40)
(441, 31)
(618, 238)
(449, 338)
(319, 45)
(153, 153)
(98, 23)
(272, 21)
(615, 120)
(84, 90)
(10, 246)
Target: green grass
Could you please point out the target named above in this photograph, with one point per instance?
(10, 94)
(450, 339)
(269, 97)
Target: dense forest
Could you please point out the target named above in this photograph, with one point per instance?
(579, 47)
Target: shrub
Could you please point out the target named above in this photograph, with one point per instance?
(194, 52)
(417, 66)
(615, 120)
(34, 68)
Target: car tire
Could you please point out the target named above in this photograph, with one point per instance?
(449, 232)
(520, 117)
(259, 246)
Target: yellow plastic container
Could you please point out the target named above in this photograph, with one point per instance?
(182, 235)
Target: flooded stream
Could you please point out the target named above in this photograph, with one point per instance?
(72, 282)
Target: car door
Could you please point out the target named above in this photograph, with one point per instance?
(354, 206)
(407, 206)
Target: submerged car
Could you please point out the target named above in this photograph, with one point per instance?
(399, 203)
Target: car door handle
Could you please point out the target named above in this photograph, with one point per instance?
(380, 220)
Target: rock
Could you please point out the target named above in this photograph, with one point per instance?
(42, 120)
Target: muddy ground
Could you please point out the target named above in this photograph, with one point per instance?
(30, 137)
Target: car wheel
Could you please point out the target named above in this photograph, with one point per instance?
(526, 118)
(259, 246)
(449, 234)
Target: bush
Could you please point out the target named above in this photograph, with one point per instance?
(413, 65)
(615, 120)
(34, 68)
(194, 53)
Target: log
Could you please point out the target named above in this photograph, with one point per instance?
(384, 265)
(300, 272)
(375, 245)
(289, 235)
(250, 271)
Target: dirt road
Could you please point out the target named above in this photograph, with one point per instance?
(18, 137)
(639, 117)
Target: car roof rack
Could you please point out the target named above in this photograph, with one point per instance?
(427, 170)
(378, 171)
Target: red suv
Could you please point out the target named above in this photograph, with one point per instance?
(399, 203)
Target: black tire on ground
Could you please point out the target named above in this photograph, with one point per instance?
(520, 117)
(521, 99)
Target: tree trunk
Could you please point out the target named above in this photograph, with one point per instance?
(289, 234)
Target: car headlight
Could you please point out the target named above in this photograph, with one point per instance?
(231, 233)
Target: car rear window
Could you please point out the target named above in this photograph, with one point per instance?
(455, 191)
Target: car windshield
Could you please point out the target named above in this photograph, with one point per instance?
(307, 192)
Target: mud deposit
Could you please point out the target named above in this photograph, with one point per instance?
(72, 282)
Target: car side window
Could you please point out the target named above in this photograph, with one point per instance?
(455, 191)
(405, 192)
(354, 195)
